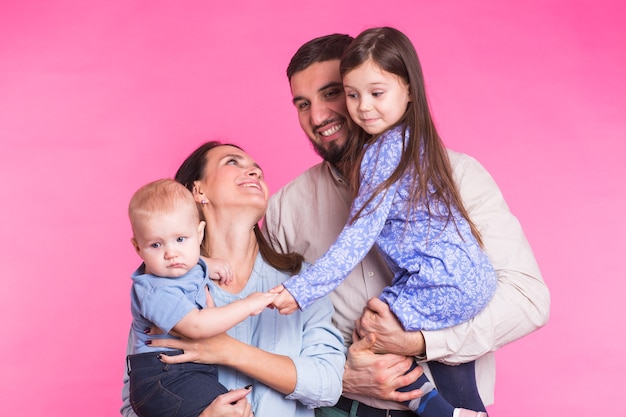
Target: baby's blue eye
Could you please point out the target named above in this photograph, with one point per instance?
(155, 245)
(180, 239)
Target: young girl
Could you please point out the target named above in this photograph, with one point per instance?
(407, 204)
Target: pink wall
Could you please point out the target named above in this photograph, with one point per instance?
(97, 98)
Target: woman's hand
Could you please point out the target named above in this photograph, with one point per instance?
(377, 318)
(213, 350)
(232, 404)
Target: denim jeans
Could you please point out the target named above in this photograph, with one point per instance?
(178, 390)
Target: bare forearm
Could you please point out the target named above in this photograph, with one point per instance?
(275, 371)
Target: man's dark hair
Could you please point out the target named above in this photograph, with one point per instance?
(324, 48)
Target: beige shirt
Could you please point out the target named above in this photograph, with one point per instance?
(308, 214)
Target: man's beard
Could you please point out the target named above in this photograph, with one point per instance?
(331, 153)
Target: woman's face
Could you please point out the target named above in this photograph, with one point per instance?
(233, 180)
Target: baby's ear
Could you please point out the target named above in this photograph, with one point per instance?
(133, 241)
(201, 227)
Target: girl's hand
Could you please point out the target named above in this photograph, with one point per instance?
(284, 302)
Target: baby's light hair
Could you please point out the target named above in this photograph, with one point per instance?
(161, 197)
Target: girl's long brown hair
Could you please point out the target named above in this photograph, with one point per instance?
(193, 168)
(424, 156)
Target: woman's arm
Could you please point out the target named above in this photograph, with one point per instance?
(320, 356)
(276, 371)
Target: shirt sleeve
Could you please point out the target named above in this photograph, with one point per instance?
(356, 239)
(521, 303)
(322, 358)
(164, 306)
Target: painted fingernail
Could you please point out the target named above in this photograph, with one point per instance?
(148, 342)
(146, 330)
(159, 357)
(248, 386)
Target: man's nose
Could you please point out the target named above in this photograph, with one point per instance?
(319, 113)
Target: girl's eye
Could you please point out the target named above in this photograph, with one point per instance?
(377, 93)
(155, 245)
(351, 95)
(180, 239)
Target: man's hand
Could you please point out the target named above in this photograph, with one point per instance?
(377, 318)
(377, 375)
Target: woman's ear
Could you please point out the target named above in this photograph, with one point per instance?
(197, 192)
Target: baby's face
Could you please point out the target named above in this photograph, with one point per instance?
(169, 243)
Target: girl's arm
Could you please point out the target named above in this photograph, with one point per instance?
(356, 239)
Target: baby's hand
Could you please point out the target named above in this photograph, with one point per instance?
(284, 302)
(219, 270)
(258, 301)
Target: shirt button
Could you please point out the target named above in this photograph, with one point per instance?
(371, 274)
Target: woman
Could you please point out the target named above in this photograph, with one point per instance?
(294, 363)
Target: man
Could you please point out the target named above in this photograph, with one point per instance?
(308, 214)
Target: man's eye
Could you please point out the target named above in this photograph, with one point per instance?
(333, 94)
(155, 245)
(302, 105)
(231, 161)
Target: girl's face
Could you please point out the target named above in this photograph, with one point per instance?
(233, 180)
(376, 99)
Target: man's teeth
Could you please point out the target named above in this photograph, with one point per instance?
(332, 130)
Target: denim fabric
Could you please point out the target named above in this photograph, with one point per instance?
(178, 390)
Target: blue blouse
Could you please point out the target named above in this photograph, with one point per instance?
(441, 275)
(307, 337)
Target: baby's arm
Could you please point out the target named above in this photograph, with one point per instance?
(219, 270)
(208, 322)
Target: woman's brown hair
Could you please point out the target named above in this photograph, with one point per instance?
(192, 169)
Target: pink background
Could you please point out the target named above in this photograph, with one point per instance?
(97, 98)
